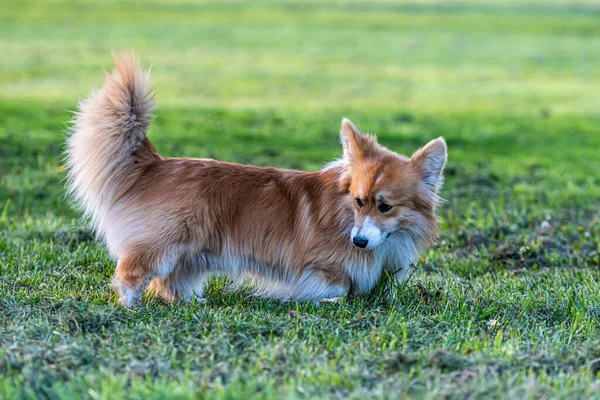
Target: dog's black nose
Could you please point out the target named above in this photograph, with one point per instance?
(360, 241)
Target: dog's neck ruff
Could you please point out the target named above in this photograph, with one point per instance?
(395, 255)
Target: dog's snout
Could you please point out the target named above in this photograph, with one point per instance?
(360, 241)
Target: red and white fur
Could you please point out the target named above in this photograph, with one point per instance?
(302, 236)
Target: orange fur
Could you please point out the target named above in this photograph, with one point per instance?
(173, 222)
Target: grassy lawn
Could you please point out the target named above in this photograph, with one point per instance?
(507, 305)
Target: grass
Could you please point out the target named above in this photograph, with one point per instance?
(507, 305)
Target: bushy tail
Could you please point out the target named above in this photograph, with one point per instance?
(107, 148)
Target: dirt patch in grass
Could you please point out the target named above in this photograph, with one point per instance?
(569, 238)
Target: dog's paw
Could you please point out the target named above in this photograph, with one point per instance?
(126, 301)
(331, 300)
(127, 296)
(193, 296)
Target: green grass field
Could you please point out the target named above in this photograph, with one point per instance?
(507, 305)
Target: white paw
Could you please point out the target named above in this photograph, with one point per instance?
(197, 297)
(127, 296)
(332, 300)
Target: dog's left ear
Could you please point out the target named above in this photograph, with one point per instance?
(429, 162)
(357, 146)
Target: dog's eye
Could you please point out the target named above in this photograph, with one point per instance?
(384, 207)
(359, 202)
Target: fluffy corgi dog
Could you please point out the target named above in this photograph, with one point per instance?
(299, 236)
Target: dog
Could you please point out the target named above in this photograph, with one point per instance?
(172, 223)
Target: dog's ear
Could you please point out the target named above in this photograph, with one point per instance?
(357, 146)
(429, 162)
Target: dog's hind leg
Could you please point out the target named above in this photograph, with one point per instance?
(173, 288)
(164, 289)
(131, 278)
(135, 271)
(185, 282)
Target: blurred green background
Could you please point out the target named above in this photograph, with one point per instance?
(479, 56)
(505, 305)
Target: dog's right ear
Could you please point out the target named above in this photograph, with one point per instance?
(356, 145)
